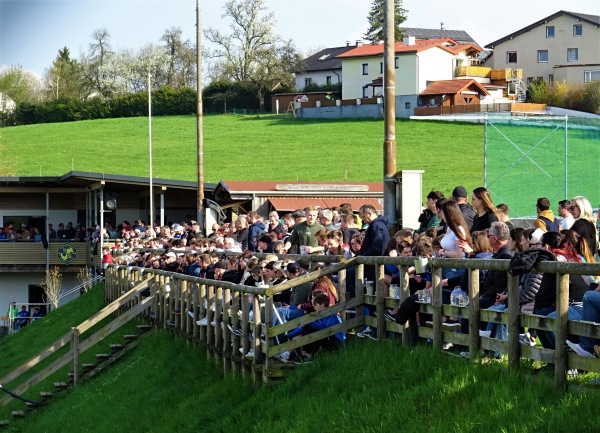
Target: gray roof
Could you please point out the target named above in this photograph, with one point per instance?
(459, 36)
(325, 60)
(82, 179)
(591, 19)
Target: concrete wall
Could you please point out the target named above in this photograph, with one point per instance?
(363, 111)
(15, 287)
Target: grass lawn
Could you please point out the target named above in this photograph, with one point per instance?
(248, 148)
(286, 149)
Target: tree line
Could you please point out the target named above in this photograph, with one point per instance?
(244, 66)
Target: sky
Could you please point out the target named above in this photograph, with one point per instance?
(32, 31)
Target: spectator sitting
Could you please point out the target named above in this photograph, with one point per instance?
(333, 342)
(22, 317)
(36, 314)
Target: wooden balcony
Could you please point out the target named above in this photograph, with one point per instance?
(31, 256)
(472, 71)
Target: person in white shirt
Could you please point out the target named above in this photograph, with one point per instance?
(567, 219)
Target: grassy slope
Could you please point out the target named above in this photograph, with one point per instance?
(167, 385)
(245, 147)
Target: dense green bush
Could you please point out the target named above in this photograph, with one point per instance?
(165, 101)
(582, 97)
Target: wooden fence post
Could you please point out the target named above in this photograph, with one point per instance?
(474, 321)
(268, 321)
(514, 347)
(436, 304)
(562, 331)
(360, 291)
(380, 302)
(342, 290)
(75, 350)
(404, 294)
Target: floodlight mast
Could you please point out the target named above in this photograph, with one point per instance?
(150, 149)
(389, 144)
(199, 134)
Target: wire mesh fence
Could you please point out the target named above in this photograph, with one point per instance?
(541, 156)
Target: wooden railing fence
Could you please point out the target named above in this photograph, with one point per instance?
(128, 305)
(176, 295)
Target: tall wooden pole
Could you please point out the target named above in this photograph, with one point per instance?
(389, 145)
(199, 134)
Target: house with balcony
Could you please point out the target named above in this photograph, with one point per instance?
(564, 46)
(417, 63)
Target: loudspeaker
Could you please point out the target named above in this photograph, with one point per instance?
(110, 200)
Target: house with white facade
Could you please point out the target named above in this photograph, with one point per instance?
(417, 63)
(564, 46)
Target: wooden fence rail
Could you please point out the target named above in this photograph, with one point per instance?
(226, 304)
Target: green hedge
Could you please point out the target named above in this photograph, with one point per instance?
(165, 101)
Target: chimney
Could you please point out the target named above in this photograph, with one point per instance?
(409, 40)
(358, 42)
(347, 43)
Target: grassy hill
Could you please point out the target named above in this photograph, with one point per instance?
(248, 148)
(167, 384)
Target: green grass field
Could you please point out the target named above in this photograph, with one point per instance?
(167, 384)
(286, 149)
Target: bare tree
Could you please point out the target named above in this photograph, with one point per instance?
(84, 276)
(52, 284)
(251, 51)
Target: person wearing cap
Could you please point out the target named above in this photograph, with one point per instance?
(459, 195)
(265, 244)
(429, 218)
(298, 294)
(220, 269)
(170, 264)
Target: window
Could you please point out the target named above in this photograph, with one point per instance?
(591, 76)
(365, 69)
(396, 62)
(381, 67)
(328, 80)
(407, 105)
(577, 30)
(511, 57)
(529, 80)
(307, 81)
(549, 31)
(365, 92)
(551, 79)
(572, 54)
(542, 56)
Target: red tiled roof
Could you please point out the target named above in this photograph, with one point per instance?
(294, 203)
(451, 87)
(400, 47)
(268, 186)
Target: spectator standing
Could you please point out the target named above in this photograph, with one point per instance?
(503, 211)
(585, 221)
(12, 314)
(459, 195)
(567, 219)
(303, 236)
(545, 220)
(256, 228)
(486, 212)
(275, 225)
(429, 218)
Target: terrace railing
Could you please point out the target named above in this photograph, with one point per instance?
(223, 303)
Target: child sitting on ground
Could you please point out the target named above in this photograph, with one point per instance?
(333, 342)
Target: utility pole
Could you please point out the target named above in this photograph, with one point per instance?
(199, 134)
(389, 144)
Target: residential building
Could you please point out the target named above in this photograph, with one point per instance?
(417, 63)
(563, 46)
(323, 68)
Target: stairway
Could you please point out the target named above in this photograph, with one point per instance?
(118, 350)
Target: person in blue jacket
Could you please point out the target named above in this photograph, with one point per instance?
(333, 342)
